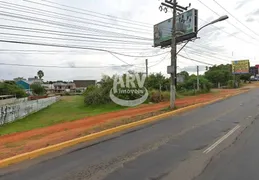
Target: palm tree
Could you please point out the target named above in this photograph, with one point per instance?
(40, 74)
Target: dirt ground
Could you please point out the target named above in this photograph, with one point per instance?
(22, 142)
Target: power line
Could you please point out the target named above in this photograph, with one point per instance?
(84, 10)
(227, 21)
(208, 52)
(235, 17)
(208, 56)
(56, 66)
(99, 46)
(70, 46)
(123, 60)
(68, 34)
(208, 8)
(195, 60)
(21, 16)
(163, 59)
(76, 17)
(75, 20)
(82, 40)
(229, 33)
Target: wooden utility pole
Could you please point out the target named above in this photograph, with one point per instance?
(147, 67)
(172, 69)
(173, 59)
(198, 80)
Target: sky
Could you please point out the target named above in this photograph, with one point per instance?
(234, 39)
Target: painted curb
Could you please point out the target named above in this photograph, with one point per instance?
(57, 147)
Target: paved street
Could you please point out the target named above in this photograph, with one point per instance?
(240, 161)
(154, 151)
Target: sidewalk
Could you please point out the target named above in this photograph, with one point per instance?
(22, 142)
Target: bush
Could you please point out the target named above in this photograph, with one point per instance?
(191, 84)
(12, 89)
(38, 89)
(156, 97)
(96, 97)
(230, 84)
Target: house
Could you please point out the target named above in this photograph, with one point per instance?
(50, 88)
(81, 85)
(35, 80)
(24, 84)
(61, 87)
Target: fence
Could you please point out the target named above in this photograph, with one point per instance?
(13, 112)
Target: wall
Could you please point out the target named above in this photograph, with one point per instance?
(7, 101)
(10, 113)
(12, 101)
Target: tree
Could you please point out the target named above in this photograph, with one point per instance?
(245, 77)
(185, 74)
(191, 83)
(154, 81)
(40, 74)
(219, 74)
(38, 89)
(19, 79)
(11, 89)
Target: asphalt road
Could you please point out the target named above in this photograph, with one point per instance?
(152, 152)
(238, 162)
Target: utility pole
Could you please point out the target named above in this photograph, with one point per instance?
(147, 67)
(173, 59)
(198, 80)
(172, 69)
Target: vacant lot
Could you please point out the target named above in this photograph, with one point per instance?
(69, 108)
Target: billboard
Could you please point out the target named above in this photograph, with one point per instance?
(240, 67)
(186, 28)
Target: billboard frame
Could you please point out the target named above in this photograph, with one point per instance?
(181, 38)
(234, 68)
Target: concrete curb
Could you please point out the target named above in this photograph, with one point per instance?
(57, 147)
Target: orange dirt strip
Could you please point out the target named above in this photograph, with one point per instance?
(22, 142)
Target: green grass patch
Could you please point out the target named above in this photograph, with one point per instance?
(69, 108)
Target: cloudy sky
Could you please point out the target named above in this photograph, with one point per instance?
(128, 26)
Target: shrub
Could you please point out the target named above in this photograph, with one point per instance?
(12, 89)
(38, 89)
(230, 84)
(156, 97)
(96, 97)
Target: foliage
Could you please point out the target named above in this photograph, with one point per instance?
(245, 77)
(12, 89)
(219, 74)
(230, 84)
(191, 84)
(19, 79)
(38, 89)
(40, 74)
(99, 94)
(154, 81)
(156, 96)
(185, 74)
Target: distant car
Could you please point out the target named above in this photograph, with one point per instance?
(254, 78)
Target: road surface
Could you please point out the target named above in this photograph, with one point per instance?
(238, 162)
(179, 147)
